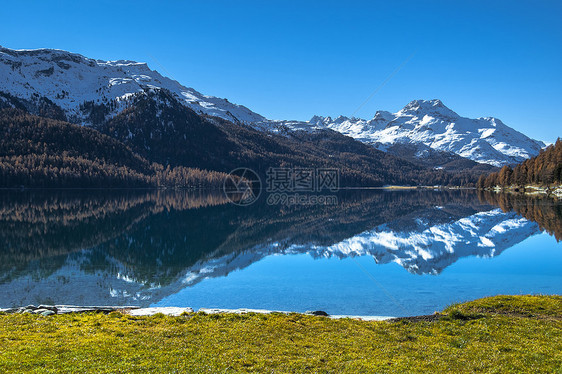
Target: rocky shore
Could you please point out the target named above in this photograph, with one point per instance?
(49, 310)
(551, 191)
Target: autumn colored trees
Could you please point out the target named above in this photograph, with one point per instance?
(158, 142)
(545, 170)
(41, 152)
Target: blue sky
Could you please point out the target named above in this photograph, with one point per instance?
(291, 60)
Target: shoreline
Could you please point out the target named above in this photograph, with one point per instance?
(48, 310)
(529, 190)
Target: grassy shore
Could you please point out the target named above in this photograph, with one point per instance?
(498, 334)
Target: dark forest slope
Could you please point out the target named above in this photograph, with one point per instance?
(159, 128)
(41, 152)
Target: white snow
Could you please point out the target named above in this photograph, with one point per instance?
(169, 311)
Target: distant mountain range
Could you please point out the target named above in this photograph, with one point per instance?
(157, 116)
(431, 127)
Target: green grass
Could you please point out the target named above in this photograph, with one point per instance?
(499, 334)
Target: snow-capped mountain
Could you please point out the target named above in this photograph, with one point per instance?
(427, 129)
(430, 125)
(70, 80)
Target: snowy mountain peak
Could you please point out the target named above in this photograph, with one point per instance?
(382, 115)
(434, 108)
(70, 80)
(45, 54)
(316, 119)
(341, 118)
(429, 123)
(323, 121)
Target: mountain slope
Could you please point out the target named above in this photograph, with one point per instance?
(41, 152)
(77, 84)
(544, 169)
(431, 126)
(159, 128)
(154, 117)
(156, 128)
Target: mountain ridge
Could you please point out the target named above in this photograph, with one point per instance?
(431, 124)
(91, 92)
(54, 73)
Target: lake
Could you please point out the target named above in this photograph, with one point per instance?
(374, 252)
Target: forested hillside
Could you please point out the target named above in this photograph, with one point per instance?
(157, 141)
(535, 208)
(159, 128)
(544, 169)
(41, 152)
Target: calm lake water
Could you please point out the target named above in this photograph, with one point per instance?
(391, 253)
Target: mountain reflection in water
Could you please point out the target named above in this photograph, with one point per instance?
(139, 247)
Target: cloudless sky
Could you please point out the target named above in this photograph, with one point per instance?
(295, 59)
